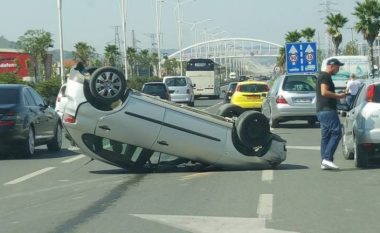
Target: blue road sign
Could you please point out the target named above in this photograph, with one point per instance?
(301, 57)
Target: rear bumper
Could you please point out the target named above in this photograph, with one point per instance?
(11, 137)
(181, 98)
(283, 112)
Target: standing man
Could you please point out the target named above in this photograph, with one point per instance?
(331, 131)
(352, 89)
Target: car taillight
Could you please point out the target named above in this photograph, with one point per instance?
(368, 146)
(69, 118)
(371, 93)
(8, 119)
(281, 100)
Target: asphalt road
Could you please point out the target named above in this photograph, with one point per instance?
(64, 192)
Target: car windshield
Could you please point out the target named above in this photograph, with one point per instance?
(300, 83)
(232, 87)
(9, 96)
(175, 82)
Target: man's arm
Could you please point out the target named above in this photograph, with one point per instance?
(326, 93)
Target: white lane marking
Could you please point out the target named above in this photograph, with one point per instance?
(213, 106)
(209, 224)
(304, 147)
(265, 206)
(195, 175)
(73, 159)
(267, 175)
(31, 175)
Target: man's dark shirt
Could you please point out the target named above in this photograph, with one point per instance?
(325, 103)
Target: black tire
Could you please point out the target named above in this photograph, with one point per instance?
(252, 128)
(230, 110)
(56, 142)
(360, 156)
(107, 85)
(28, 145)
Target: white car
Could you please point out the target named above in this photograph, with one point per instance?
(61, 101)
(124, 127)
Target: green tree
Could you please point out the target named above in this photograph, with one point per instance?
(111, 55)
(84, 53)
(170, 65)
(36, 43)
(132, 59)
(308, 33)
(334, 23)
(368, 14)
(144, 60)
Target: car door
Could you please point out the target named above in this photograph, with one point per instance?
(137, 123)
(189, 135)
(45, 118)
(352, 116)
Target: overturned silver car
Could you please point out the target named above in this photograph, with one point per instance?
(124, 127)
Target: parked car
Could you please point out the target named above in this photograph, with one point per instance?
(156, 89)
(26, 121)
(291, 97)
(127, 135)
(61, 101)
(181, 89)
(229, 92)
(250, 94)
(361, 125)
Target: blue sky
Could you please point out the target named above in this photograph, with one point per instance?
(94, 21)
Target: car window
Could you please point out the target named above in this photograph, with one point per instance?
(232, 87)
(252, 88)
(300, 83)
(274, 88)
(37, 98)
(28, 100)
(154, 89)
(360, 97)
(9, 96)
(175, 82)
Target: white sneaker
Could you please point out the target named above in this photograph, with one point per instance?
(323, 167)
(329, 165)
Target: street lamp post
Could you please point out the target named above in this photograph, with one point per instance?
(124, 19)
(158, 29)
(179, 15)
(59, 4)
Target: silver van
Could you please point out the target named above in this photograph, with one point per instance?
(181, 89)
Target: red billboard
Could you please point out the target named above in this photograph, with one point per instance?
(14, 61)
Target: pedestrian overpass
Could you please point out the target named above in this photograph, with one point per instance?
(236, 54)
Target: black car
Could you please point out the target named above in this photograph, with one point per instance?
(26, 121)
(156, 89)
(230, 91)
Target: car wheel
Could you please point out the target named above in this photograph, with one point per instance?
(346, 153)
(360, 156)
(230, 110)
(252, 128)
(56, 142)
(107, 85)
(28, 147)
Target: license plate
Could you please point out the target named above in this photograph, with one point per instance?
(303, 100)
(255, 97)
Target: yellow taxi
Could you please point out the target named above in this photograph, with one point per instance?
(250, 94)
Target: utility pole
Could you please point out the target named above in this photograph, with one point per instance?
(327, 11)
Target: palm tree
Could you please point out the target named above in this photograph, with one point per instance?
(334, 23)
(36, 43)
(308, 33)
(83, 53)
(132, 59)
(111, 55)
(368, 13)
